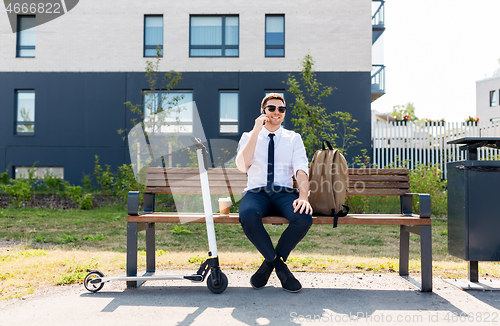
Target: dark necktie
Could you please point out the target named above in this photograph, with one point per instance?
(270, 165)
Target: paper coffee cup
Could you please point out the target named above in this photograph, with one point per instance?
(224, 205)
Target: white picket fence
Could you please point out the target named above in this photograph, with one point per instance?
(395, 143)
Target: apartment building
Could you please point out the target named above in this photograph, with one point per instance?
(65, 82)
(488, 99)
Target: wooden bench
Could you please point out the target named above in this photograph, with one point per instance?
(230, 181)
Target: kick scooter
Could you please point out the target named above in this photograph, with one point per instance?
(216, 281)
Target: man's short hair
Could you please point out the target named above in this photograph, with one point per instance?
(272, 96)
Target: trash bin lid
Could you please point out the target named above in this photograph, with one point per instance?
(476, 142)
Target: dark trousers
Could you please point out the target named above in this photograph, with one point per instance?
(257, 204)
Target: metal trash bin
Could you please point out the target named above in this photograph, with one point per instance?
(474, 206)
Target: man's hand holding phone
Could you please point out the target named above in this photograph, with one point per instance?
(260, 121)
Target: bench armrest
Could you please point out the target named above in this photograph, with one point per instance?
(425, 204)
(133, 203)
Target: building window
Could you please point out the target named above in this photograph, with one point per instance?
(228, 112)
(275, 35)
(493, 98)
(176, 109)
(153, 35)
(25, 107)
(214, 36)
(39, 171)
(26, 36)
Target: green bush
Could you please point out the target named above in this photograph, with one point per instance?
(125, 181)
(427, 179)
(53, 182)
(19, 191)
(4, 178)
(86, 202)
(87, 183)
(75, 193)
(105, 179)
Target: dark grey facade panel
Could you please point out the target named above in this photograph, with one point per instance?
(76, 161)
(71, 109)
(77, 115)
(3, 161)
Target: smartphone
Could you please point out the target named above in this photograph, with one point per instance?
(264, 112)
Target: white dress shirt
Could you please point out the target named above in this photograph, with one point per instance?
(289, 157)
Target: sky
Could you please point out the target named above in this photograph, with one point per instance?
(435, 51)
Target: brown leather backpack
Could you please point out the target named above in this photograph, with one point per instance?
(328, 181)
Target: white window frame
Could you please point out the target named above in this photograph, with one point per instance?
(225, 125)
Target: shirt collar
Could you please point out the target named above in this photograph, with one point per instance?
(266, 132)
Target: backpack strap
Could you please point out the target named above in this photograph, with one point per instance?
(330, 147)
(341, 213)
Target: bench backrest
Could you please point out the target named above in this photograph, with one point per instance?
(367, 182)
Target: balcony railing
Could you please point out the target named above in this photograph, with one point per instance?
(379, 15)
(378, 79)
(378, 21)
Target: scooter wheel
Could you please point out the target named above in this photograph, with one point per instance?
(90, 286)
(219, 288)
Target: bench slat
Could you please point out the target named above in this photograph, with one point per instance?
(396, 185)
(193, 183)
(351, 219)
(368, 182)
(243, 183)
(379, 178)
(155, 170)
(193, 190)
(378, 171)
(377, 192)
(211, 174)
(238, 190)
(151, 170)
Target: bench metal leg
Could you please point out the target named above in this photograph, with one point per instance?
(426, 257)
(150, 249)
(404, 250)
(132, 252)
(473, 271)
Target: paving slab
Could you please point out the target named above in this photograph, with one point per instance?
(326, 299)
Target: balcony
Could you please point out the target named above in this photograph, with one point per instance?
(378, 81)
(378, 18)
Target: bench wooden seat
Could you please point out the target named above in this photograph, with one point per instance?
(230, 181)
(353, 219)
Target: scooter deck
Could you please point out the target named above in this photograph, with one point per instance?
(193, 278)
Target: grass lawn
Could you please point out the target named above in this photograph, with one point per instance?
(57, 247)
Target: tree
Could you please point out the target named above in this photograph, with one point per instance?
(399, 111)
(155, 128)
(153, 105)
(311, 119)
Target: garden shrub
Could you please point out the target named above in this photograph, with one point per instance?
(19, 191)
(4, 178)
(86, 202)
(427, 179)
(125, 181)
(104, 179)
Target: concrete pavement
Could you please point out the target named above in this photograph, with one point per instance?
(326, 299)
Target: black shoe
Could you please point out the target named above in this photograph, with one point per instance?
(288, 281)
(261, 276)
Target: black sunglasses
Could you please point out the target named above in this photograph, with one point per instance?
(272, 108)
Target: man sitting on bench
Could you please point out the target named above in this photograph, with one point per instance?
(270, 155)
